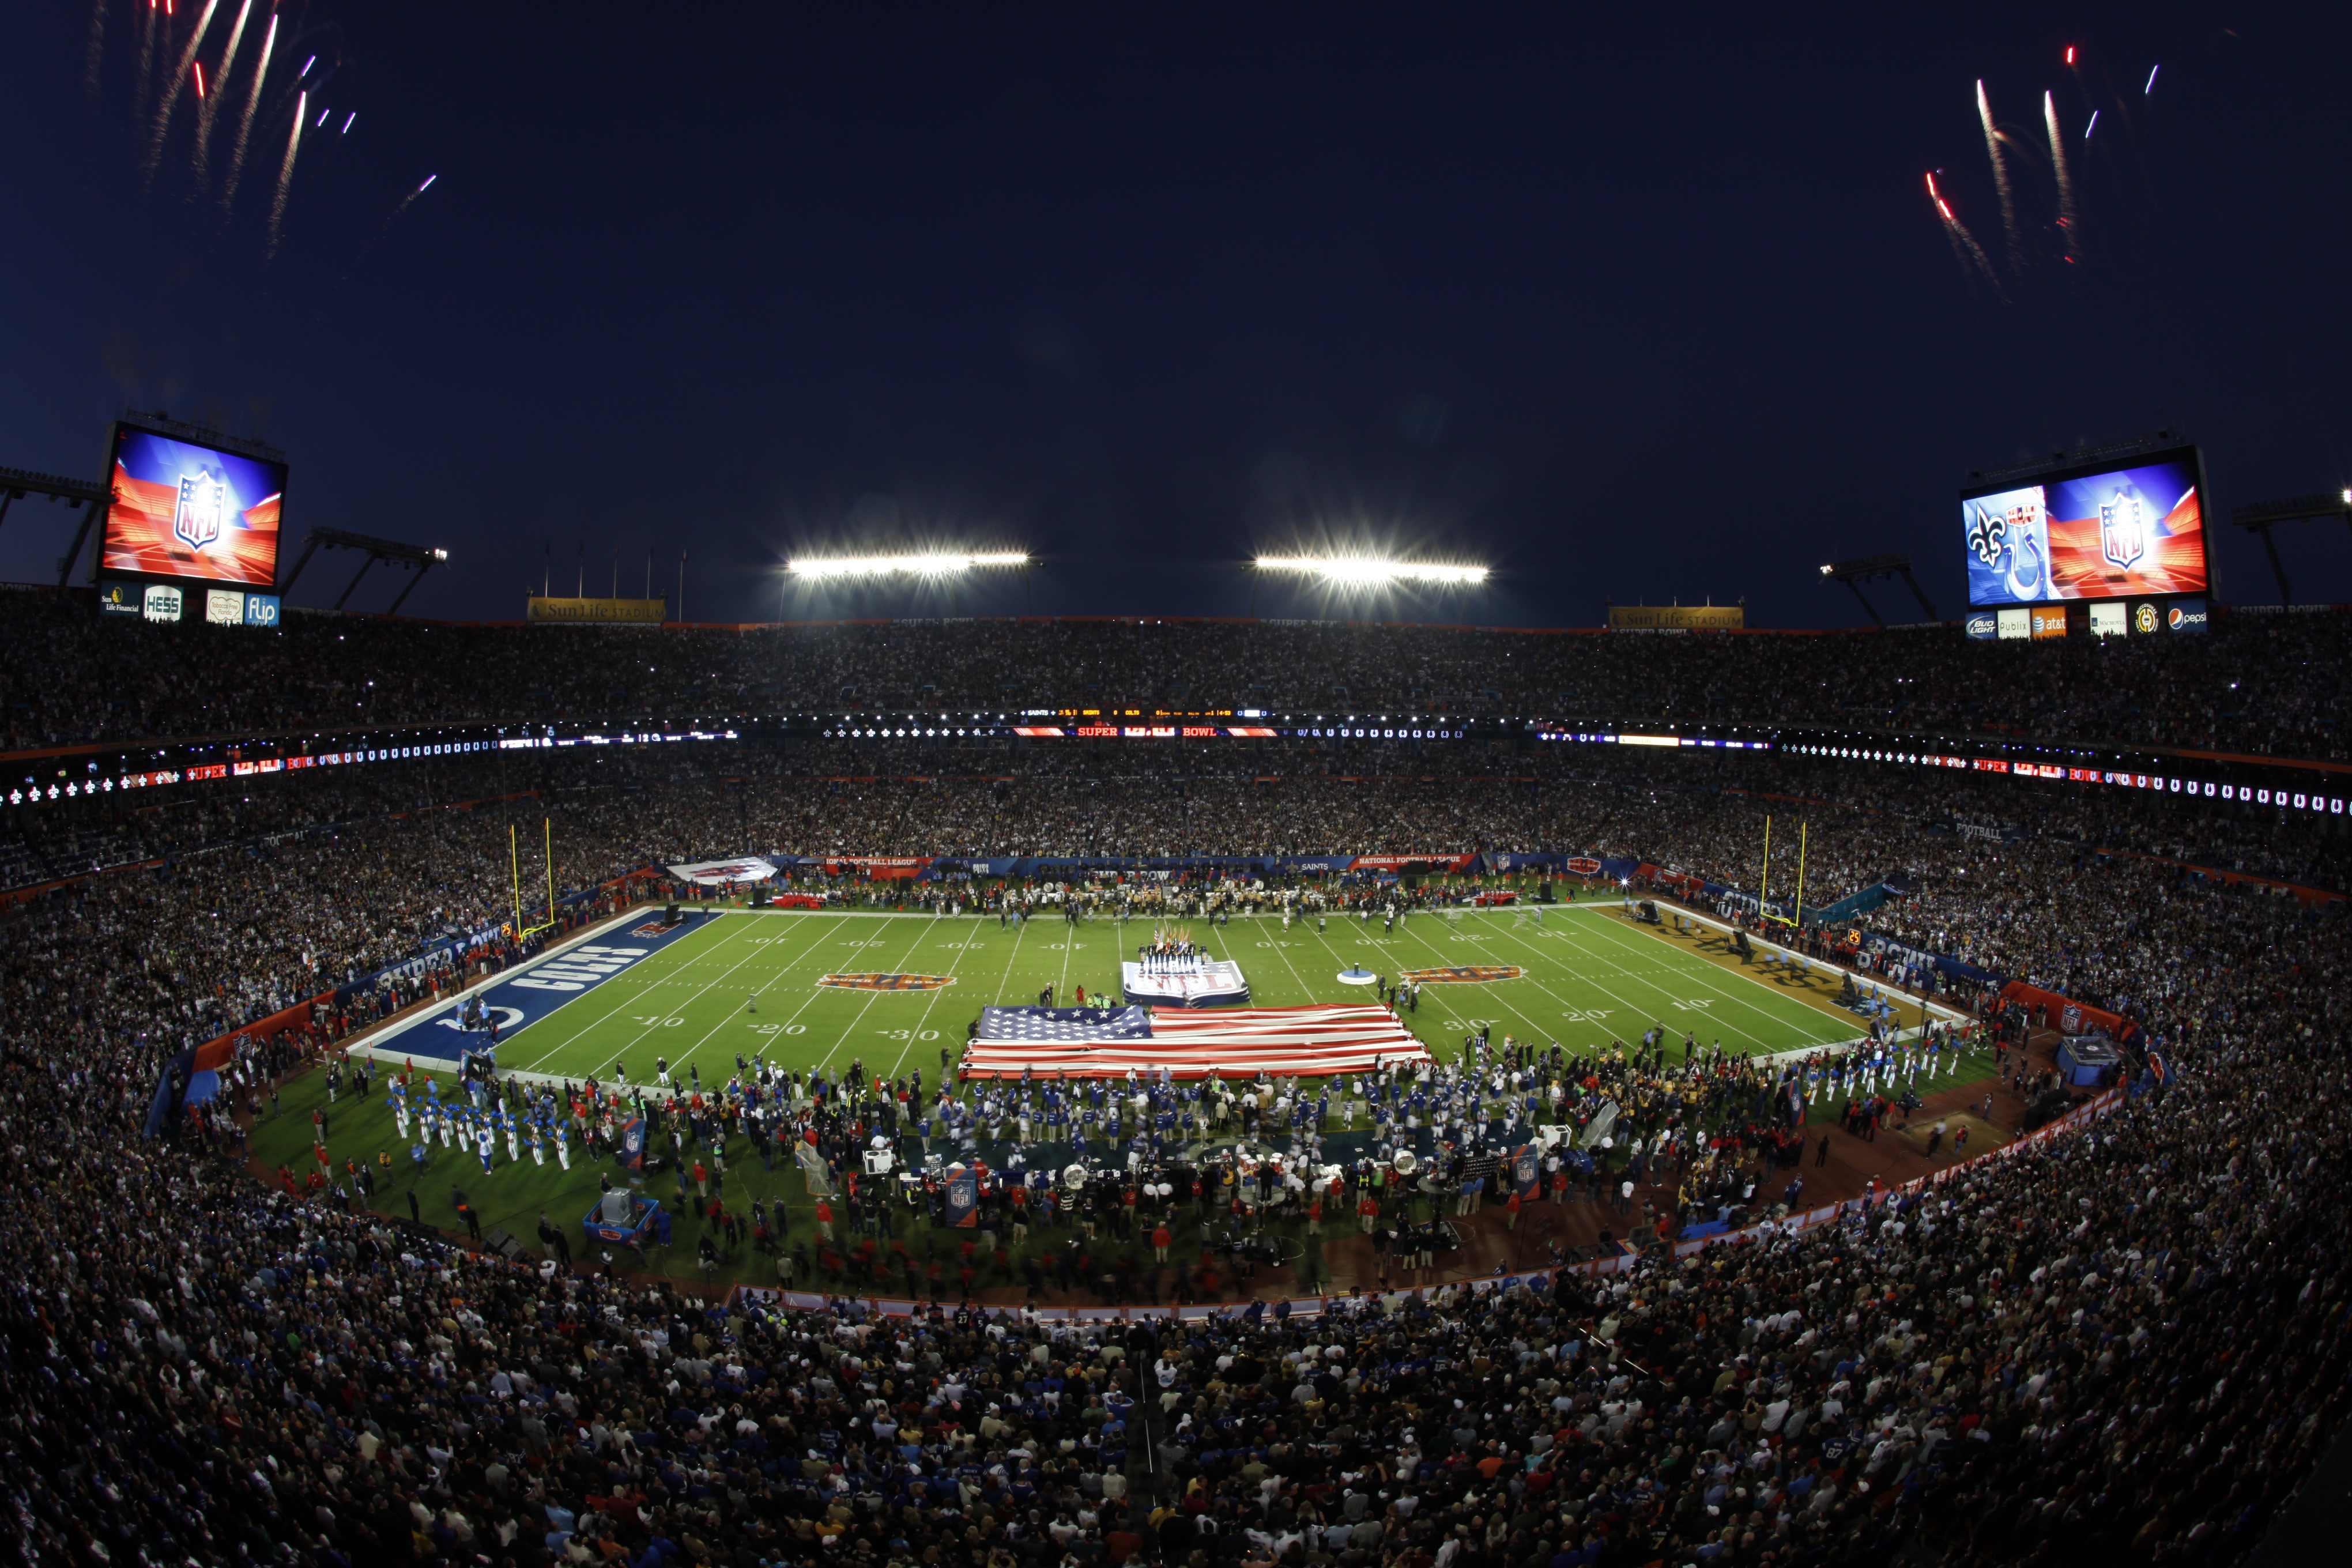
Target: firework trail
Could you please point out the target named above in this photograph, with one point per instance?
(97, 57)
(1965, 248)
(385, 227)
(245, 125)
(146, 50)
(286, 175)
(211, 105)
(2000, 181)
(172, 91)
(2065, 174)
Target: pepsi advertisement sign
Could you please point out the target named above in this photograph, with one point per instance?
(2186, 616)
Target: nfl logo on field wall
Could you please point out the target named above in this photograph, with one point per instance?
(197, 521)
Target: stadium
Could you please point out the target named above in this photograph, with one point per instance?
(844, 1008)
(907, 1076)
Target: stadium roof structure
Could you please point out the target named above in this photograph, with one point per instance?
(1871, 569)
(2260, 517)
(391, 551)
(15, 484)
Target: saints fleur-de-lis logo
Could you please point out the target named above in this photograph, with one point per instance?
(1989, 537)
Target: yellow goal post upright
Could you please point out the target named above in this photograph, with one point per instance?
(514, 867)
(1764, 885)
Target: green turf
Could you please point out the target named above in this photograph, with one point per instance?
(1590, 979)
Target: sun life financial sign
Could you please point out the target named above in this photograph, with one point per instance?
(597, 612)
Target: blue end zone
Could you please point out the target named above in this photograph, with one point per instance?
(523, 997)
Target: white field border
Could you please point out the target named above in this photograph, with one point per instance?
(1949, 1014)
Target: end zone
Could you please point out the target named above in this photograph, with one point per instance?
(517, 998)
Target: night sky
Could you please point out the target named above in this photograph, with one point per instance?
(1637, 306)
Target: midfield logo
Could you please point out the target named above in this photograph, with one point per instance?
(874, 982)
(1473, 974)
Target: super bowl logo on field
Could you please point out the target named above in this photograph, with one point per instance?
(204, 498)
(1463, 974)
(1584, 866)
(873, 981)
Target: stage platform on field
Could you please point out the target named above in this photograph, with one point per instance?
(1186, 982)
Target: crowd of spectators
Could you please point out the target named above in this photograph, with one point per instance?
(2124, 1342)
(2258, 684)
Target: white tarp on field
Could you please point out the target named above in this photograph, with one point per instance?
(711, 873)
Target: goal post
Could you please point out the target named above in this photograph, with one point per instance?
(514, 870)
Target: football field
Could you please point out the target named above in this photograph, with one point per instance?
(894, 992)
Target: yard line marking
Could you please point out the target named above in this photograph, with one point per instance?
(1020, 934)
(1277, 944)
(688, 1055)
(1545, 1035)
(1425, 942)
(852, 1025)
(932, 1001)
(1621, 971)
(807, 951)
(1707, 980)
(661, 975)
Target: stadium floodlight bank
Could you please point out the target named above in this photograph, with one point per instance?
(1370, 570)
(929, 563)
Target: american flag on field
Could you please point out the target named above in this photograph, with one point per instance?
(1104, 1042)
(1065, 1025)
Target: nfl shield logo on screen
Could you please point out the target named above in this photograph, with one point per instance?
(202, 498)
(2123, 531)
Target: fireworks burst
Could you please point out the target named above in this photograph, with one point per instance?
(199, 91)
(2037, 174)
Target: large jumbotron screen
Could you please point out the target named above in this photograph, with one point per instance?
(2105, 533)
(183, 509)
